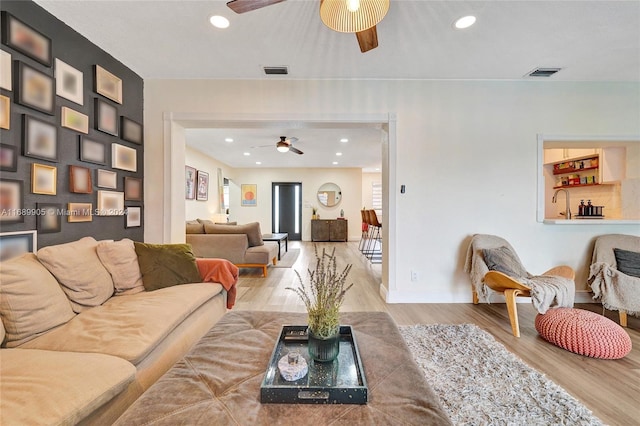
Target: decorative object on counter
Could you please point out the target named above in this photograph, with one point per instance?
(589, 211)
(293, 366)
(342, 213)
(314, 212)
(323, 297)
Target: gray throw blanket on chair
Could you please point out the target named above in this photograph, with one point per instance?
(546, 291)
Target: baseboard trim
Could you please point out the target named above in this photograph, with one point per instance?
(393, 296)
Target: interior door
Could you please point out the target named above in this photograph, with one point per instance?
(287, 208)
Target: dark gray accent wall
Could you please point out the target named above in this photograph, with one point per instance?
(80, 53)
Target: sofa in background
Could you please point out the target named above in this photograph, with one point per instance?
(242, 245)
(82, 337)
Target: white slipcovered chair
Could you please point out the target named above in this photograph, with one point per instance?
(618, 291)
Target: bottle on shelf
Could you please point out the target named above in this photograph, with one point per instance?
(589, 209)
(581, 208)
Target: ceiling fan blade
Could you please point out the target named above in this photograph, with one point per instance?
(296, 150)
(292, 140)
(368, 39)
(242, 6)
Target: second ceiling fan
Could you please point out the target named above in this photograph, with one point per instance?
(347, 16)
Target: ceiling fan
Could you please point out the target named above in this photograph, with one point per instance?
(347, 16)
(286, 144)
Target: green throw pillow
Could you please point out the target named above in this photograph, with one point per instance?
(164, 265)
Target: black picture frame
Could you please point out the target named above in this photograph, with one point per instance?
(131, 131)
(11, 205)
(92, 151)
(133, 217)
(32, 42)
(8, 158)
(48, 219)
(106, 117)
(39, 139)
(34, 89)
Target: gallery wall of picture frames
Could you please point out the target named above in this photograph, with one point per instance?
(71, 132)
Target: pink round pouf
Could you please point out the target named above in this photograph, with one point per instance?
(584, 332)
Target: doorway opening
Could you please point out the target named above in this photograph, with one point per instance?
(286, 202)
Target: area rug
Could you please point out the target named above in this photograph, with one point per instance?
(479, 382)
(288, 259)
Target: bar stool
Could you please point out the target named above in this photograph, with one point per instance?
(365, 231)
(374, 245)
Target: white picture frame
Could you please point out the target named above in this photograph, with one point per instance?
(5, 70)
(124, 158)
(133, 217)
(14, 244)
(110, 203)
(107, 179)
(69, 82)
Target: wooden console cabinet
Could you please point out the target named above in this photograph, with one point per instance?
(329, 230)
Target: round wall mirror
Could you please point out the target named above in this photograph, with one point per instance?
(329, 194)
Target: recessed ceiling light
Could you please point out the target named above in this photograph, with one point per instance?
(258, 162)
(335, 163)
(465, 22)
(228, 139)
(247, 153)
(219, 21)
(344, 140)
(338, 154)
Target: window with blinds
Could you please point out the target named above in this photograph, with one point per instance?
(376, 197)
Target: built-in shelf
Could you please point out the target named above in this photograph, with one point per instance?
(576, 185)
(572, 170)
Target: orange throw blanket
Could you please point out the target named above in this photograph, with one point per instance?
(220, 271)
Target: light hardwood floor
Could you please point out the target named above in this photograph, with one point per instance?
(610, 388)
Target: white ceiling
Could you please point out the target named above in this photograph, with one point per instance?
(589, 40)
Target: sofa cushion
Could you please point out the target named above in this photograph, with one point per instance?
(164, 265)
(77, 267)
(261, 255)
(31, 300)
(205, 221)
(58, 388)
(252, 230)
(627, 262)
(2, 332)
(194, 227)
(128, 327)
(502, 259)
(121, 260)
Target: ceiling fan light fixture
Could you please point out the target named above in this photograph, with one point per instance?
(282, 146)
(352, 16)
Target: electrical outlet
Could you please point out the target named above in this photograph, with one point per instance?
(414, 275)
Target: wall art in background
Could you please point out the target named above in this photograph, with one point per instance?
(107, 179)
(106, 117)
(8, 158)
(11, 201)
(43, 179)
(249, 195)
(202, 193)
(107, 84)
(132, 189)
(130, 130)
(5, 70)
(190, 182)
(92, 151)
(5, 112)
(123, 157)
(110, 203)
(49, 218)
(34, 89)
(39, 139)
(75, 120)
(80, 180)
(133, 218)
(14, 244)
(69, 82)
(80, 212)
(26, 39)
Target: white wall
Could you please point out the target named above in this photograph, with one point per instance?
(195, 209)
(466, 151)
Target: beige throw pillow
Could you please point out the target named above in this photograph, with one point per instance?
(194, 227)
(121, 260)
(77, 267)
(254, 235)
(31, 300)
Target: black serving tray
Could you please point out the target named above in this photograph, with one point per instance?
(339, 382)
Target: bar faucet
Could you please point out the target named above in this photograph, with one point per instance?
(568, 208)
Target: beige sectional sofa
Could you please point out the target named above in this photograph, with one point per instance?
(242, 245)
(82, 338)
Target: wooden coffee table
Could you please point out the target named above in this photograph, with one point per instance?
(278, 237)
(218, 381)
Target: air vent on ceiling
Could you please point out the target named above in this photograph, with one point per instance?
(276, 70)
(543, 72)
